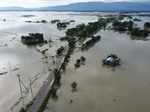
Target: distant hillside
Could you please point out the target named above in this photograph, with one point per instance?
(92, 6)
(101, 6)
(12, 8)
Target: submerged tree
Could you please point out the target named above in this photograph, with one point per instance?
(82, 59)
(74, 86)
(77, 64)
(80, 62)
(90, 43)
(139, 34)
(122, 26)
(147, 26)
(60, 51)
(62, 25)
(22, 110)
(55, 21)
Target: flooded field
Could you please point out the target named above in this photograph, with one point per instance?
(15, 55)
(125, 88)
(100, 89)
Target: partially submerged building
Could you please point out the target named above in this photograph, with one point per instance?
(33, 38)
(111, 60)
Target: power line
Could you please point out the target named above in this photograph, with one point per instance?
(21, 90)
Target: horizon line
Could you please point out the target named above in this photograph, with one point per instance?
(17, 6)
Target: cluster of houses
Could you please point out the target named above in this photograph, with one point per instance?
(33, 38)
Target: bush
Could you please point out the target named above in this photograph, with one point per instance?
(147, 25)
(139, 34)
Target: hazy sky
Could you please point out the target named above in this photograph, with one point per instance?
(41, 3)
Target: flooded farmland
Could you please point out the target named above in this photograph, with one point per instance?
(100, 88)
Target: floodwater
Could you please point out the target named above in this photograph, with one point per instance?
(103, 89)
(100, 89)
(26, 61)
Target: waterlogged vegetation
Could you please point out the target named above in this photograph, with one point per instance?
(38, 21)
(90, 42)
(60, 51)
(130, 27)
(61, 25)
(62, 68)
(28, 16)
(33, 39)
(55, 21)
(120, 23)
(84, 34)
(80, 62)
(147, 26)
(79, 38)
(74, 86)
(122, 26)
(139, 34)
(83, 31)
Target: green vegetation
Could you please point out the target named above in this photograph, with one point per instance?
(43, 106)
(136, 19)
(90, 43)
(80, 62)
(83, 59)
(62, 25)
(77, 64)
(57, 73)
(28, 16)
(64, 38)
(60, 51)
(72, 21)
(55, 21)
(85, 36)
(147, 26)
(74, 86)
(44, 21)
(130, 27)
(22, 110)
(122, 26)
(139, 34)
(33, 39)
(123, 16)
(83, 31)
(38, 21)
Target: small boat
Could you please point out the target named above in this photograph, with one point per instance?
(111, 60)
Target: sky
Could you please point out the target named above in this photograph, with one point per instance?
(43, 3)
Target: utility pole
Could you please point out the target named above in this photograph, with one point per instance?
(21, 91)
(31, 87)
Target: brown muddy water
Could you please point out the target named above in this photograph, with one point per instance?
(100, 89)
(103, 89)
(27, 60)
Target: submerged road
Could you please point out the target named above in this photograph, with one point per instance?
(43, 92)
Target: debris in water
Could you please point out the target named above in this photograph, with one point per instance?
(71, 101)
